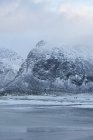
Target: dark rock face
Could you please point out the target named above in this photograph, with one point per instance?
(46, 70)
(52, 70)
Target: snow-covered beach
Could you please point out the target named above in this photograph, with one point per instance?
(84, 100)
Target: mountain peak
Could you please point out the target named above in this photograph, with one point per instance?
(10, 58)
(40, 43)
(48, 67)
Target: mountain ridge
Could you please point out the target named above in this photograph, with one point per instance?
(52, 69)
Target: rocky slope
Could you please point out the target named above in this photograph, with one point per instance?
(53, 70)
(10, 63)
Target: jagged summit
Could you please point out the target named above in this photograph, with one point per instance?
(40, 43)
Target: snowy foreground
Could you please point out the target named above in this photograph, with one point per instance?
(70, 100)
(67, 117)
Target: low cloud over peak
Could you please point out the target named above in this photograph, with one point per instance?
(56, 20)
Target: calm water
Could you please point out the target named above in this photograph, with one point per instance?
(37, 122)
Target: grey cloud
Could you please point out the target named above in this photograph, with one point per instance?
(39, 19)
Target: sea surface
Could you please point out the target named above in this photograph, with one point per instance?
(66, 117)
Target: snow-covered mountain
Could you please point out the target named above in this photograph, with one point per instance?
(10, 58)
(49, 68)
(10, 63)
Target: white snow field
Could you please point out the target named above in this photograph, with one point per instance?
(66, 117)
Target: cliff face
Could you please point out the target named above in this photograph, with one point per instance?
(52, 69)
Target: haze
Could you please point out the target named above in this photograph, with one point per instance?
(24, 22)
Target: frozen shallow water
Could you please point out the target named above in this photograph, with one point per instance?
(69, 117)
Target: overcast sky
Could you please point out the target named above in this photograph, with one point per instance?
(25, 22)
